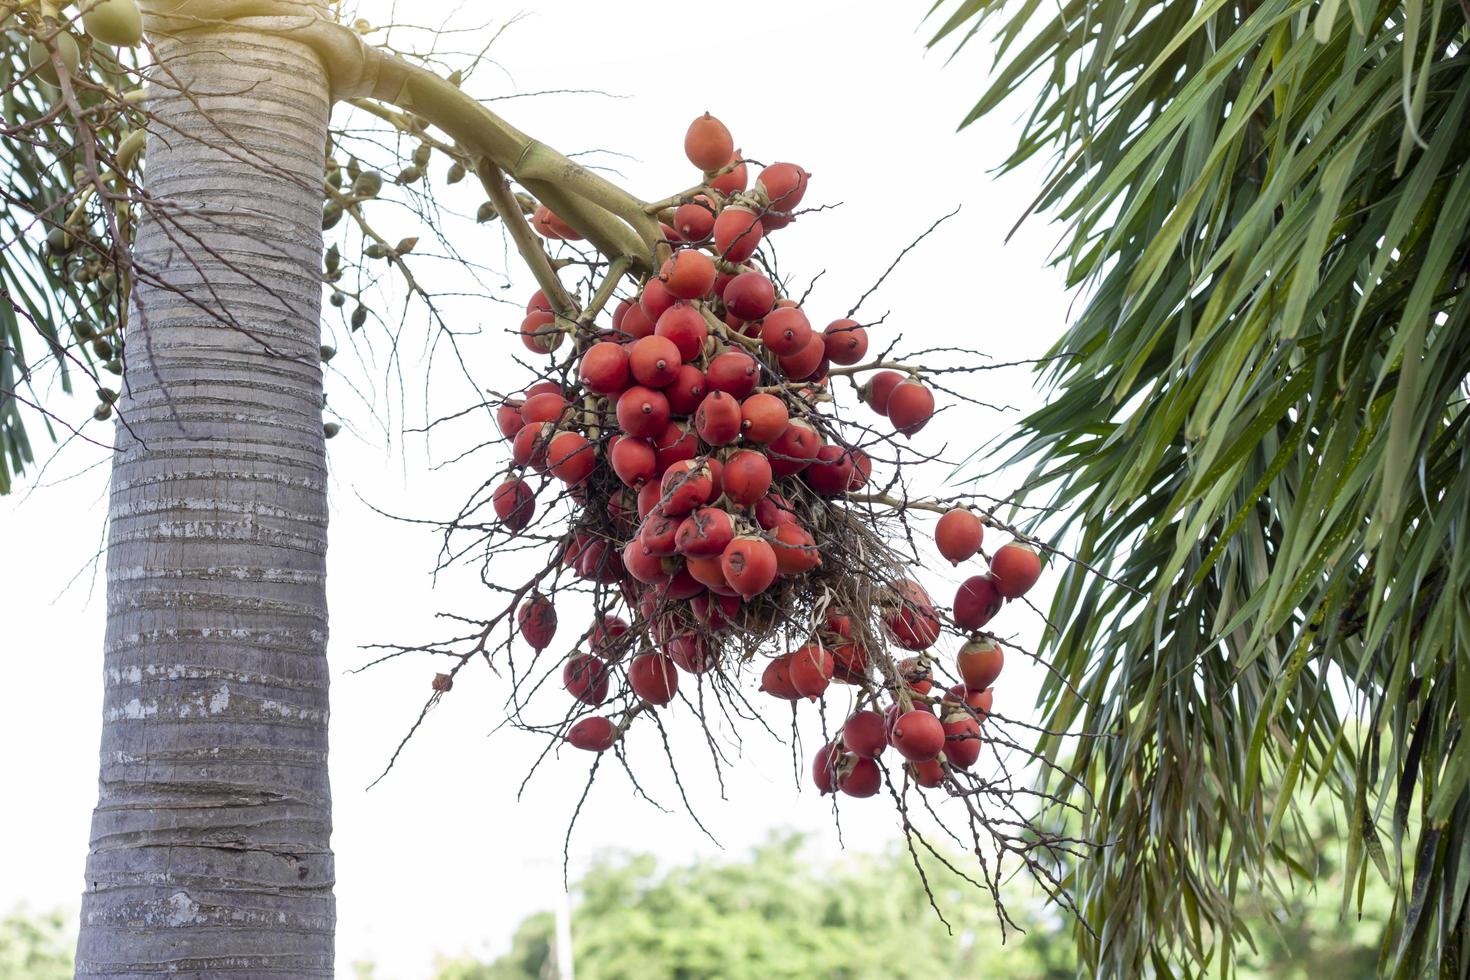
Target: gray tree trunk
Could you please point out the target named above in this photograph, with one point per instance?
(210, 847)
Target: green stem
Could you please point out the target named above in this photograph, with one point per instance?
(526, 240)
(615, 272)
(606, 233)
(542, 163)
(611, 218)
(580, 195)
(719, 329)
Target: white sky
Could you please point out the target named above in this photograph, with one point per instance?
(441, 857)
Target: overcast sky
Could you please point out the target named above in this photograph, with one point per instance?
(441, 856)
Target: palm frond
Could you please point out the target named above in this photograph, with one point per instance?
(51, 301)
(1264, 429)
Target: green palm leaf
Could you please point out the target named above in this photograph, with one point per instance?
(41, 294)
(1264, 429)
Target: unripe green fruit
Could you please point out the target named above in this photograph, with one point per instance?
(102, 412)
(114, 22)
(339, 299)
(114, 366)
(455, 175)
(486, 213)
(331, 214)
(59, 241)
(102, 348)
(421, 155)
(359, 317)
(328, 352)
(40, 57)
(334, 177)
(329, 429)
(367, 184)
(409, 175)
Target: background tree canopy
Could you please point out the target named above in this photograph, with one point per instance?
(35, 947)
(1259, 436)
(779, 914)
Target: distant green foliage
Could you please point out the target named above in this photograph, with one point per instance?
(530, 957)
(35, 947)
(1259, 433)
(777, 915)
(1305, 933)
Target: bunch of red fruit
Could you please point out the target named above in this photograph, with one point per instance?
(930, 732)
(708, 483)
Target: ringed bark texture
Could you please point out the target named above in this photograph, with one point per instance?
(210, 847)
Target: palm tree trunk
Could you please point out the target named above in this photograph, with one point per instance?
(210, 848)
